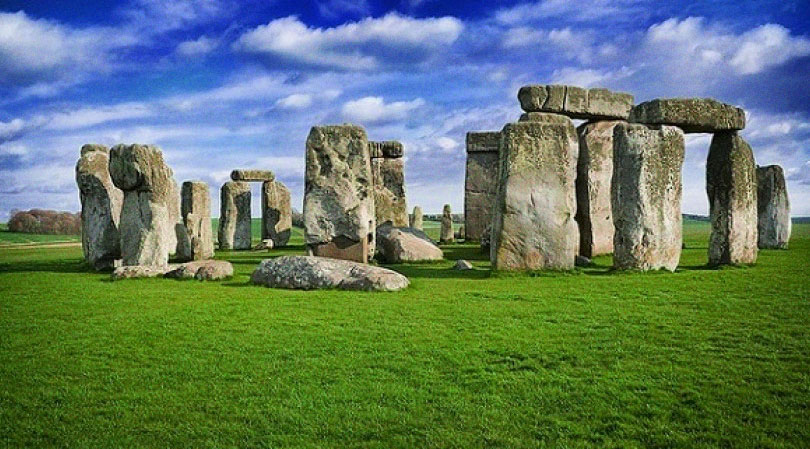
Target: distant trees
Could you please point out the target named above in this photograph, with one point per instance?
(297, 218)
(39, 221)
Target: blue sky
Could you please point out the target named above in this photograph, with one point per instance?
(220, 84)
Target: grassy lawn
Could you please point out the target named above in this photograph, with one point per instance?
(18, 238)
(696, 359)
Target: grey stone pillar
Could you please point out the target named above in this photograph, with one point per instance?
(101, 207)
(234, 217)
(276, 213)
(195, 208)
(480, 182)
(773, 208)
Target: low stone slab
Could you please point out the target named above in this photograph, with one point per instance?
(252, 175)
(576, 102)
(203, 270)
(773, 208)
(311, 272)
(138, 271)
(398, 245)
(389, 149)
(692, 115)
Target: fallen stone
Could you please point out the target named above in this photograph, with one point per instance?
(446, 235)
(389, 191)
(398, 245)
(480, 182)
(101, 207)
(310, 272)
(582, 261)
(202, 270)
(264, 245)
(416, 219)
(773, 208)
(462, 265)
(138, 271)
(646, 196)
(195, 207)
(692, 115)
(576, 102)
(390, 149)
(234, 217)
(276, 213)
(731, 183)
(252, 175)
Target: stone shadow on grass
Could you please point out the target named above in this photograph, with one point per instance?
(50, 266)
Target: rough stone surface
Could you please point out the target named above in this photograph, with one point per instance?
(390, 149)
(480, 182)
(252, 175)
(202, 270)
(389, 191)
(138, 271)
(398, 245)
(339, 212)
(101, 207)
(576, 102)
(310, 272)
(276, 213)
(195, 207)
(462, 265)
(151, 208)
(486, 238)
(773, 208)
(416, 219)
(692, 115)
(533, 227)
(594, 174)
(446, 235)
(731, 183)
(646, 196)
(264, 245)
(234, 216)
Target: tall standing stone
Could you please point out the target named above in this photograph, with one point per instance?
(234, 217)
(480, 182)
(773, 208)
(533, 227)
(101, 207)
(731, 183)
(446, 235)
(195, 206)
(594, 174)
(388, 169)
(646, 196)
(339, 213)
(151, 209)
(276, 213)
(416, 218)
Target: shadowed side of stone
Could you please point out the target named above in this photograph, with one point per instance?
(773, 208)
(311, 272)
(480, 182)
(101, 207)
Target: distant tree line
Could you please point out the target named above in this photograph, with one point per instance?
(457, 218)
(40, 221)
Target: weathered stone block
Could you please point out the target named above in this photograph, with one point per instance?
(446, 235)
(390, 149)
(533, 227)
(389, 191)
(252, 175)
(276, 213)
(101, 207)
(692, 115)
(398, 245)
(308, 273)
(234, 216)
(773, 208)
(480, 183)
(195, 207)
(576, 102)
(646, 196)
(416, 219)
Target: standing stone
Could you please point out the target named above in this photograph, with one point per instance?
(446, 235)
(533, 227)
(646, 196)
(151, 209)
(234, 216)
(389, 191)
(480, 182)
(773, 208)
(339, 215)
(276, 213)
(416, 218)
(101, 207)
(594, 173)
(196, 210)
(731, 183)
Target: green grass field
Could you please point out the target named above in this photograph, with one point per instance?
(699, 358)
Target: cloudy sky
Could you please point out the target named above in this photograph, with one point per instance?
(223, 84)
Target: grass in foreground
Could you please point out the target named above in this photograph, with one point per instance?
(698, 358)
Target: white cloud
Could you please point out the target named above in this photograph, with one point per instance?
(374, 109)
(200, 46)
(85, 117)
(583, 10)
(446, 144)
(766, 46)
(157, 16)
(371, 43)
(295, 101)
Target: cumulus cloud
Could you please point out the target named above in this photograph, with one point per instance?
(197, 47)
(372, 43)
(376, 110)
(295, 101)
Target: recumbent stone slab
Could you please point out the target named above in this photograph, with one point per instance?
(692, 115)
(311, 272)
(576, 102)
(252, 175)
(773, 208)
(101, 207)
(234, 216)
(398, 245)
(480, 182)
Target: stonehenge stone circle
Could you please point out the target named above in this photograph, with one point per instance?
(252, 175)
(388, 171)
(773, 208)
(692, 115)
(151, 208)
(101, 207)
(446, 235)
(576, 102)
(195, 207)
(416, 219)
(398, 245)
(731, 184)
(276, 213)
(311, 272)
(234, 217)
(594, 175)
(533, 225)
(646, 196)
(339, 212)
(480, 182)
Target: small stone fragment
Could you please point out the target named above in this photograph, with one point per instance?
(462, 265)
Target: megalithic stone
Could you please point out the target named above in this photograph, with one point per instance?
(773, 207)
(389, 191)
(101, 207)
(533, 227)
(594, 174)
(731, 183)
(480, 182)
(196, 210)
(339, 212)
(151, 207)
(276, 213)
(446, 235)
(646, 196)
(416, 218)
(234, 217)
